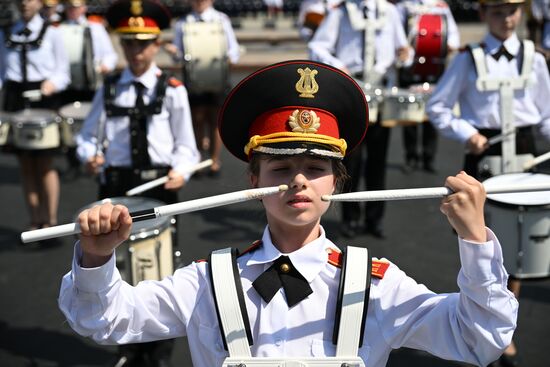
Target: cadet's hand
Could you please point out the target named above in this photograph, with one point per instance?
(464, 208)
(403, 54)
(175, 181)
(102, 228)
(476, 144)
(171, 48)
(94, 164)
(47, 88)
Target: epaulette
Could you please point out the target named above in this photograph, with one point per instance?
(255, 245)
(379, 267)
(173, 82)
(94, 18)
(201, 261)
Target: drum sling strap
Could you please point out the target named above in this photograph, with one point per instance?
(360, 22)
(138, 115)
(506, 87)
(353, 296)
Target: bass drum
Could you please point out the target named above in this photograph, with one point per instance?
(147, 254)
(78, 43)
(206, 67)
(521, 221)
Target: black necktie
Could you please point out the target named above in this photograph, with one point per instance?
(502, 51)
(26, 32)
(282, 274)
(138, 131)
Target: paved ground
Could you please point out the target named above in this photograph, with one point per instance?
(34, 333)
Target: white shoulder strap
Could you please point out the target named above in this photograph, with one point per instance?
(478, 55)
(528, 56)
(356, 272)
(226, 285)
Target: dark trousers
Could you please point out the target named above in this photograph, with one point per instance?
(429, 142)
(368, 161)
(14, 101)
(525, 144)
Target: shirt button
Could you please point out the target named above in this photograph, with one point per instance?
(134, 151)
(133, 132)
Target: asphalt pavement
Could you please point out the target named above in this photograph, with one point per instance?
(419, 240)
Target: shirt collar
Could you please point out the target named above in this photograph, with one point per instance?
(512, 44)
(35, 24)
(309, 260)
(148, 79)
(206, 15)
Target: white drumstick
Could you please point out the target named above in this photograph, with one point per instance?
(33, 95)
(535, 161)
(161, 211)
(428, 193)
(162, 180)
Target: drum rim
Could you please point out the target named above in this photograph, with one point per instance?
(492, 200)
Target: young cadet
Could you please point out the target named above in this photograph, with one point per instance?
(143, 118)
(411, 12)
(366, 49)
(293, 122)
(32, 58)
(311, 14)
(205, 105)
(506, 57)
(104, 55)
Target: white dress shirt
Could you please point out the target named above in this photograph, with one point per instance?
(104, 52)
(481, 110)
(209, 15)
(474, 325)
(416, 8)
(47, 62)
(336, 43)
(170, 134)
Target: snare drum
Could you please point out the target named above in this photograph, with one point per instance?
(72, 118)
(147, 254)
(374, 97)
(430, 44)
(5, 130)
(78, 43)
(405, 106)
(35, 129)
(522, 223)
(206, 67)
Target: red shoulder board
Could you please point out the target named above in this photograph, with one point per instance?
(94, 18)
(379, 268)
(173, 82)
(334, 257)
(201, 261)
(251, 248)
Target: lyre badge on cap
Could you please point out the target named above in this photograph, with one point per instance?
(304, 121)
(306, 85)
(136, 7)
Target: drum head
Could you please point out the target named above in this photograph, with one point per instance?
(76, 110)
(34, 116)
(524, 198)
(142, 229)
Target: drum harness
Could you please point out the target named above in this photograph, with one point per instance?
(351, 312)
(506, 86)
(359, 21)
(136, 115)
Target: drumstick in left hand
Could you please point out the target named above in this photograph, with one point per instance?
(536, 161)
(429, 193)
(161, 211)
(162, 180)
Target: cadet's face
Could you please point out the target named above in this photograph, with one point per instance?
(308, 178)
(201, 5)
(140, 54)
(29, 8)
(502, 20)
(74, 12)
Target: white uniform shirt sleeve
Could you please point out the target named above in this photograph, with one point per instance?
(104, 52)
(233, 50)
(445, 96)
(542, 95)
(453, 36)
(60, 76)
(86, 139)
(98, 304)
(322, 46)
(185, 153)
(473, 326)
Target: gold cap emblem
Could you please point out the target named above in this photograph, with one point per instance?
(136, 22)
(136, 8)
(304, 121)
(306, 85)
